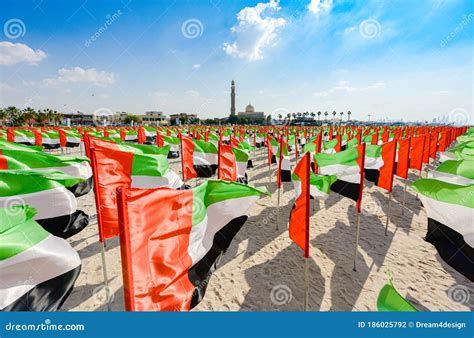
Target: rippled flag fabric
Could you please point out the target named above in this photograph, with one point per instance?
(172, 240)
(37, 269)
(450, 211)
(47, 192)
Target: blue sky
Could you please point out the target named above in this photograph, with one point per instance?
(392, 59)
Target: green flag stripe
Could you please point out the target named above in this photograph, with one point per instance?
(18, 230)
(445, 192)
(214, 191)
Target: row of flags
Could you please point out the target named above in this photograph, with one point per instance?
(153, 210)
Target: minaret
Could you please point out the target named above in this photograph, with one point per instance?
(232, 98)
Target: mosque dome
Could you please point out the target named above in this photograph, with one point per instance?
(249, 109)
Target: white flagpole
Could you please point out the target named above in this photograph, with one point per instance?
(278, 208)
(306, 283)
(357, 241)
(106, 280)
(388, 213)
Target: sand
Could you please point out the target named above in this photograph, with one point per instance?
(263, 269)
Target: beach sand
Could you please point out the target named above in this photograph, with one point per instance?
(263, 269)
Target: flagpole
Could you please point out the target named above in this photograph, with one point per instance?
(306, 283)
(99, 223)
(106, 279)
(404, 197)
(278, 208)
(388, 213)
(308, 227)
(357, 241)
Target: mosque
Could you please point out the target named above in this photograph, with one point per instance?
(249, 112)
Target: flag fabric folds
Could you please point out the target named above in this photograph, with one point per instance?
(299, 217)
(114, 168)
(16, 159)
(390, 300)
(38, 270)
(45, 191)
(348, 166)
(380, 164)
(199, 158)
(450, 210)
(172, 240)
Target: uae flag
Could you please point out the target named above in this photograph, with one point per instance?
(69, 138)
(272, 149)
(232, 164)
(402, 159)
(172, 240)
(330, 147)
(38, 269)
(11, 159)
(199, 158)
(457, 172)
(416, 152)
(16, 146)
(50, 139)
(114, 168)
(173, 142)
(380, 164)
(450, 210)
(320, 185)
(284, 166)
(299, 216)
(390, 300)
(47, 193)
(348, 166)
(26, 137)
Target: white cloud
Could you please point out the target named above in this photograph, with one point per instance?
(345, 87)
(13, 53)
(80, 75)
(318, 6)
(255, 31)
(196, 66)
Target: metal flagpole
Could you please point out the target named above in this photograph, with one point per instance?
(99, 223)
(388, 213)
(357, 241)
(404, 197)
(278, 208)
(306, 283)
(106, 280)
(269, 177)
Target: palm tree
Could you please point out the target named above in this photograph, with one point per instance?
(342, 113)
(319, 115)
(293, 115)
(305, 114)
(326, 116)
(312, 115)
(3, 115)
(349, 115)
(280, 117)
(58, 118)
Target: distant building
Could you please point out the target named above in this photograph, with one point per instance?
(153, 118)
(251, 114)
(119, 117)
(181, 118)
(78, 119)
